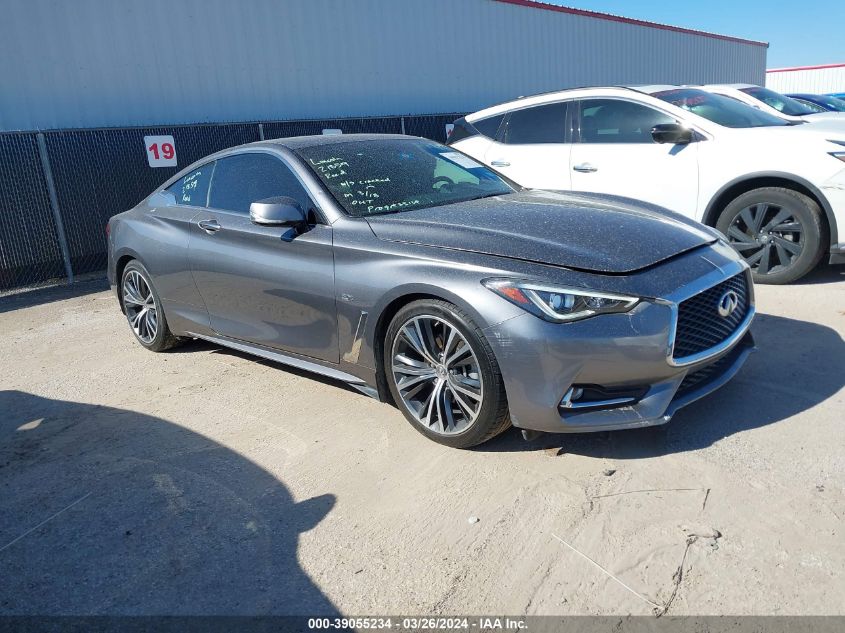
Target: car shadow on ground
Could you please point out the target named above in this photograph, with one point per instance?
(110, 511)
(823, 274)
(49, 294)
(797, 365)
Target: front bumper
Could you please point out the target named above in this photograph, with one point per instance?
(834, 193)
(541, 362)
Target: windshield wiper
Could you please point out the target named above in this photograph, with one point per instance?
(487, 195)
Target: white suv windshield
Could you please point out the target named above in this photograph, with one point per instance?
(719, 109)
(779, 102)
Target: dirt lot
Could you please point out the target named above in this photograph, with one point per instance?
(202, 481)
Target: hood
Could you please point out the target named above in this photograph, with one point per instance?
(590, 232)
(826, 116)
(821, 122)
(791, 135)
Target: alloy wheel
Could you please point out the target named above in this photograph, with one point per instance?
(140, 306)
(437, 374)
(770, 237)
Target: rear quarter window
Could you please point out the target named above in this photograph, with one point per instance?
(489, 127)
(192, 189)
(536, 125)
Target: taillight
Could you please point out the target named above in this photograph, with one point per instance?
(108, 229)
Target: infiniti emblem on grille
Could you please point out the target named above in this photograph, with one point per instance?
(728, 303)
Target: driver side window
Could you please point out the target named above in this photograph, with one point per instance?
(242, 179)
(617, 121)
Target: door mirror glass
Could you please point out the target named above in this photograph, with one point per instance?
(277, 211)
(674, 133)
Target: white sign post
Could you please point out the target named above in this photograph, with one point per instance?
(161, 151)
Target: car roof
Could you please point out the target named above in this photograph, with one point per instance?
(652, 88)
(582, 92)
(541, 97)
(737, 86)
(297, 142)
(291, 143)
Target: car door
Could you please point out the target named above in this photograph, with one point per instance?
(532, 147)
(170, 264)
(616, 154)
(266, 285)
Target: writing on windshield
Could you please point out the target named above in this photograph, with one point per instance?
(377, 176)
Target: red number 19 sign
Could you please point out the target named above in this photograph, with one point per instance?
(161, 151)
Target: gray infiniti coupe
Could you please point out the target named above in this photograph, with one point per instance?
(423, 278)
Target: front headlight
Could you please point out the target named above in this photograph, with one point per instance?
(838, 155)
(559, 304)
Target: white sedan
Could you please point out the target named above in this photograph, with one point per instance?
(777, 104)
(777, 190)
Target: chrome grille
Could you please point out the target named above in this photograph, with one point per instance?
(700, 326)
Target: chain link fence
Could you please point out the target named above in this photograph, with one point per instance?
(29, 245)
(59, 188)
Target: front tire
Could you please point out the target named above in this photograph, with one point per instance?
(779, 232)
(443, 376)
(143, 310)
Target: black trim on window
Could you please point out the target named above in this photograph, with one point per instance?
(463, 129)
(491, 126)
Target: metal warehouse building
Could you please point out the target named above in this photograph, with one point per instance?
(94, 63)
(826, 79)
(85, 84)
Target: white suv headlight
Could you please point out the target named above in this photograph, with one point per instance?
(559, 304)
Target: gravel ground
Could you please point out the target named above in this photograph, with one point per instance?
(202, 481)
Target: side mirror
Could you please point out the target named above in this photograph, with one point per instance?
(162, 199)
(278, 211)
(674, 133)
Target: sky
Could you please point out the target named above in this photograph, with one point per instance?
(799, 33)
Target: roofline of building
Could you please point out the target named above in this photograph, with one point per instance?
(818, 67)
(534, 4)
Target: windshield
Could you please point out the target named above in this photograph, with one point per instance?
(392, 175)
(815, 107)
(719, 109)
(831, 103)
(779, 102)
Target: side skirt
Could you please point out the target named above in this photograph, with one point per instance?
(293, 361)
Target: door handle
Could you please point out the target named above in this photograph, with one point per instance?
(209, 226)
(500, 163)
(585, 168)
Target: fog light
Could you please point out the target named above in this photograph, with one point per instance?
(579, 398)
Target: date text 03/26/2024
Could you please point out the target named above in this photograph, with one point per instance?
(418, 623)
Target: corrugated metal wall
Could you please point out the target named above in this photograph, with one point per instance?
(812, 80)
(94, 63)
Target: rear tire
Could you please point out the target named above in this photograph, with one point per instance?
(779, 232)
(443, 376)
(143, 309)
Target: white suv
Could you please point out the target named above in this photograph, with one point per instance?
(776, 190)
